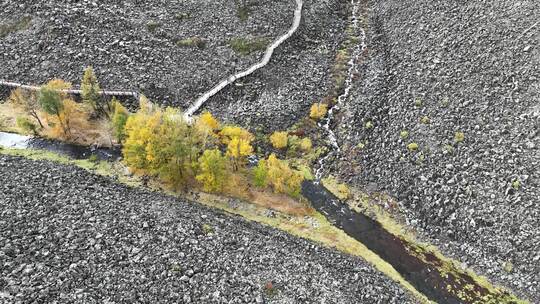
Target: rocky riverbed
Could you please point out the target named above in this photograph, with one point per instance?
(436, 69)
(132, 45)
(73, 237)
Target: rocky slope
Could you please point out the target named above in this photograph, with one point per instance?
(132, 45)
(69, 236)
(435, 68)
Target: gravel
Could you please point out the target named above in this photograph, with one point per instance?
(118, 40)
(68, 236)
(470, 67)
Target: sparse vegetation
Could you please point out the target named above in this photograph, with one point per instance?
(242, 9)
(27, 126)
(182, 16)
(368, 125)
(152, 26)
(425, 120)
(418, 102)
(404, 134)
(18, 25)
(246, 46)
(459, 137)
(192, 42)
(516, 184)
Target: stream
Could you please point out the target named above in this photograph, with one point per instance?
(11, 140)
(351, 71)
(438, 280)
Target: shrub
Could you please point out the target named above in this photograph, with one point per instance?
(279, 140)
(245, 46)
(459, 137)
(213, 170)
(412, 146)
(516, 184)
(404, 134)
(192, 42)
(152, 26)
(318, 111)
(26, 125)
(369, 125)
(305, 144)
(207, 229)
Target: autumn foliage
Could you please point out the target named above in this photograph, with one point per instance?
(158, 142)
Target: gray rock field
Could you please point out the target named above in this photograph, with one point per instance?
(67, 236)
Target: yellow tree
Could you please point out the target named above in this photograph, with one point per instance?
(167, 152)
(140, 128)
(213, 171)
(230, 132)
(238, 150)
(282, 178)
(279, 140)
(318, 111)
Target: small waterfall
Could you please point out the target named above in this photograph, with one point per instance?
(353, 68)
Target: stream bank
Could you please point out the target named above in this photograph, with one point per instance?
(437, 279)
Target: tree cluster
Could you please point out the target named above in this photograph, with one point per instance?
(159, 142)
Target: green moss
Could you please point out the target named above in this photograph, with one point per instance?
(182, 16)
(152, 26)
(192, 42)
(246, 46)
(338, 189)
(516, 184)
(19, 25)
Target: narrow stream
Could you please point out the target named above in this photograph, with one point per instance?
(10, 140)
(351, 71)
(436, 279)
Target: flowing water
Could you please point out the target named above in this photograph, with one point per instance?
(10, 140)
(437, 279)
(326, 123)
